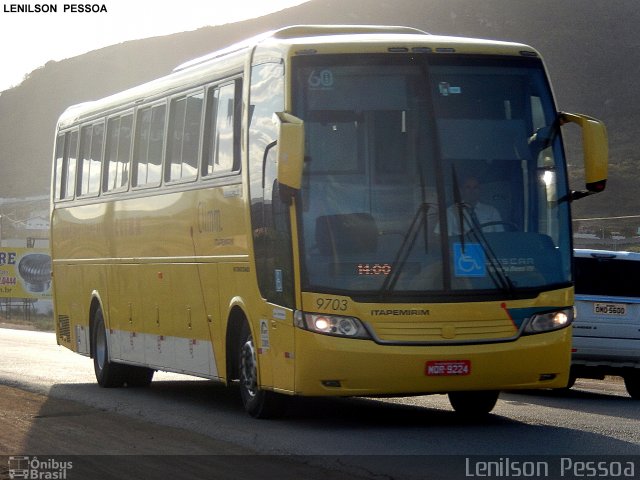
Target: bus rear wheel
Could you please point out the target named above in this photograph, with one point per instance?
(138, 377)
(474, 404)
(108, 374)
(257, 402)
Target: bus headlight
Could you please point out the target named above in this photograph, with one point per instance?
(335, 325)
(546, 322)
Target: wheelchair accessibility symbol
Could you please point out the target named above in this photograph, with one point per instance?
(470, 261)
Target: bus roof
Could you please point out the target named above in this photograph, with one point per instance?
(299, 39)
(300, 32)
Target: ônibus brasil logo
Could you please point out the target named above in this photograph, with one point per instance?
(23, 467)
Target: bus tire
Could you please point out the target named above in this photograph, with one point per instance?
(108, 373)
(257, 402)
(632, 384)
(571, 381)
(474, 404)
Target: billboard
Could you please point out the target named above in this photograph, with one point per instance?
(25, 273)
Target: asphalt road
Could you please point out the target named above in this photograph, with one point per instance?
(179, 417)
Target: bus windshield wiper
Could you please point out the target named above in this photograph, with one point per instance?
(497, 273)
(419, 221)
(460, 205)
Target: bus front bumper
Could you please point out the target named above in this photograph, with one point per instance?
(336, 366)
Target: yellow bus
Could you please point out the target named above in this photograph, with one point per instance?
(324, 211)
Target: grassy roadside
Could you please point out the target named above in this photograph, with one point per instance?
(42, 323)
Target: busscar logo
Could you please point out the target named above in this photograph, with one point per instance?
(24, 467)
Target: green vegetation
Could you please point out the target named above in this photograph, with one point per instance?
(30, 321)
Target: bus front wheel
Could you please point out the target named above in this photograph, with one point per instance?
(257, 402)
(632, 383)
(474, 404)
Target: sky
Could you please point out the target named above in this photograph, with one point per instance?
(29, 39)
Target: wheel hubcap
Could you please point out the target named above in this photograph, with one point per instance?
(101, 350)
(248, 369)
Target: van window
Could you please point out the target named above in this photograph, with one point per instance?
(607, 277)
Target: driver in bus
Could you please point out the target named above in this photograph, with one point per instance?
(475, 213)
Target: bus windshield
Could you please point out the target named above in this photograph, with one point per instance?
(429, 174)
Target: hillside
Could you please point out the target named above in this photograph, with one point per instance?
(591, 49)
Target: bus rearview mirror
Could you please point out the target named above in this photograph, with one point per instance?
(290, 150)
(595, 147)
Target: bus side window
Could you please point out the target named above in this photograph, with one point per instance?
(59, 159)
(118, 152)
(91, 141)
(185, 118)
(149, 145)
(68, 174)
(221, 144)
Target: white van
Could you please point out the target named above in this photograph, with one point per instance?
(606, 331)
